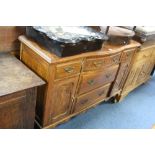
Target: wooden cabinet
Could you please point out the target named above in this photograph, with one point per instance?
(101, 62)
(142, 66)
(143, 61)
(17, 93)
(67, 69)
(75, 83)
(121, 76)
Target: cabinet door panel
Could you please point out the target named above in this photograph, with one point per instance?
(146, 68)
(62, 98)
(132, 77)
(121, 76)
(139, 73)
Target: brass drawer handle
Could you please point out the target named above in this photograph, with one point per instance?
(91, 82)
(115, 60)
(98, 64)
(69, 69)
(101, 93)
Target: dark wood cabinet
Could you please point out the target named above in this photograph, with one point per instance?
(17, 93)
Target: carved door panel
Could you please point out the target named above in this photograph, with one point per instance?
(146, 68)
(139, 73)
(62, 98)
(132, 77)
(121, 76)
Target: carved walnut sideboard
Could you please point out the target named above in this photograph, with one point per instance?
(75, 83)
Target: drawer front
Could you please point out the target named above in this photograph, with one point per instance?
(35, 62)
(90, 81)
(86, 100)
(144, 54)
(67, 69)
(99, 63)
(127, 55)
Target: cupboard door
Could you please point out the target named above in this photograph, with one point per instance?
(62, 98)
(120, 79)
(139, 73)
(132, 77)
(144, 54)
(146, 68)
(92, 80)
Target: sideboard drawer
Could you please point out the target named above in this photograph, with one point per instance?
(86, 100)
(99, 63)
(144, 54)
(90, 81)
(67, 69)
(127, 55)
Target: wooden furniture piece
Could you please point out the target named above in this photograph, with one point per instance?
(143, 63)
(75, 83)
(17, 93)
(9, 38)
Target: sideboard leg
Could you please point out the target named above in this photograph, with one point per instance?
(119, 97)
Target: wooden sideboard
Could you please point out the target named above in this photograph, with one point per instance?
(140, 73)
(17, 93)
(75, 83)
